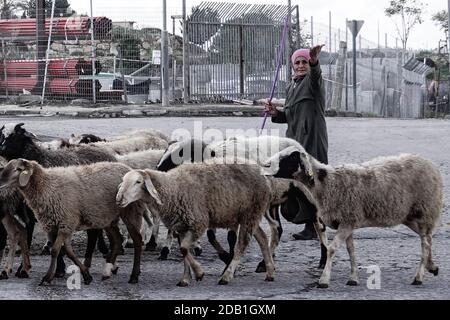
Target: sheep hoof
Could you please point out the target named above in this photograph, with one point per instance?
(416, 283)
(352, 283)
(200, 277)
(435, 272)
(323, 286)
(46, 280)
(270, 279)
(183, 284)
(261, 268)
(4, 275)
(60, 274)
(151, 246)
(114, 271)
(87, 279)
(133, 280)
(223, 282)
(104, 278)
(198, 252)
(22, 275)
(164, 253)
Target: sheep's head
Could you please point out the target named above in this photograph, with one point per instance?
(17, 173)
(180, 152)
(136, 185)
(85, 138)
(291, 163)
(13, 140)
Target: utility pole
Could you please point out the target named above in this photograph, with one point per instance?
(165, 59)
(288, 47)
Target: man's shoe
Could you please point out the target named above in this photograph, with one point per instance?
(305, 235)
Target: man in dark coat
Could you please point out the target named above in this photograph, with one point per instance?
(304, 113)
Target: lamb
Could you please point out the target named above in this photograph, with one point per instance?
(16, 142)
(385, 192)
(76, 198)
(194, 197)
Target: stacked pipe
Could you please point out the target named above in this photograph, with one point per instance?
(56, 67)
(63, 28)
(63, 77)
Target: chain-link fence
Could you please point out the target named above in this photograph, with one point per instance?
(231, 53)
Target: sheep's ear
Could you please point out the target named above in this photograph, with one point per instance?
(152, 190)
(304, 157)
(24, 177)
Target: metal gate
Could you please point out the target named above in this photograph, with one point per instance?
(233, 51)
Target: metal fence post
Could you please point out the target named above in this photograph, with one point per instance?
(165, 59)
(186, 97)
(94, 71)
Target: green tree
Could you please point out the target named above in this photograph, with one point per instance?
(441, 19)
(408, 14)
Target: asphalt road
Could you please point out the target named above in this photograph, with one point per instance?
(395, 252)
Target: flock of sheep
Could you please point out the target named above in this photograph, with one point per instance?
(88, 183)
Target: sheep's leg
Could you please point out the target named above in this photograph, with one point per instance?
(261, 238)
(186, 242)
(223, 254)
(322, 234)
(3, 239)
(166, 248)
(431, 267)
(154, 225)
(92, 236)
(101, 244)
(418, 280)
(16, 234)
(243, 241)
(273, 217)
(426, 261)
(13, 233)
(354, 268)
(133, 223)
(69, 250)
(55, 253)
(341, 235)
(111, 268)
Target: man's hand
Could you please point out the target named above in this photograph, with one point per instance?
(314, 54)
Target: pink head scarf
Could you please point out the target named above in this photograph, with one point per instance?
(300, 53)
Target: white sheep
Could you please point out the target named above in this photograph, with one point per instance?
(195, 197)
(384, 192)
(70, 199)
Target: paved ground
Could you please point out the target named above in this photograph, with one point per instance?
(395, 251)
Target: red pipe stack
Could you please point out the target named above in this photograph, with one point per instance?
(63, 27)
